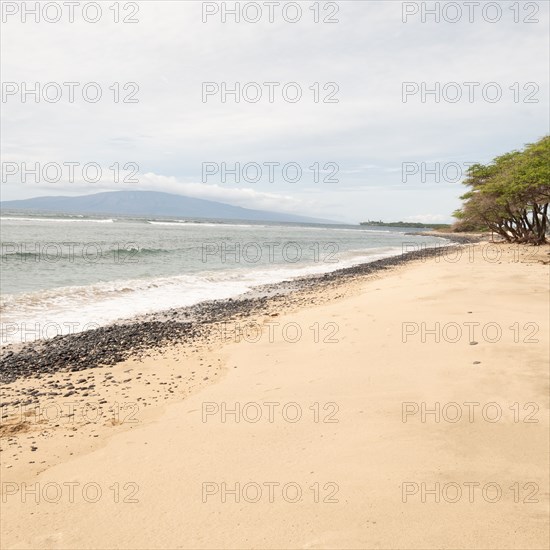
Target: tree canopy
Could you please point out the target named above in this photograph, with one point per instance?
(510, 196)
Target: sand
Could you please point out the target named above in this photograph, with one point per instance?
(362, 467)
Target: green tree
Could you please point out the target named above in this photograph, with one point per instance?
(510, 196)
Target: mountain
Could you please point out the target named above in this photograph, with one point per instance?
(150, 203)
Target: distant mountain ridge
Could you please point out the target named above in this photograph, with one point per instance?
(151, 203)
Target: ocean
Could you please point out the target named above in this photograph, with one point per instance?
(68, 273)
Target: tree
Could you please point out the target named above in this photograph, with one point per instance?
(510, 196)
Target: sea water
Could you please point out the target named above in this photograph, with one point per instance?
(68, 273)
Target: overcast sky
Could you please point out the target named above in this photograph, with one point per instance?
(368, 134)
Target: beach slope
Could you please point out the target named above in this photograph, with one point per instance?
(410, 413)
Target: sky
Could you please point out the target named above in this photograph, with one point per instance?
(360, 144)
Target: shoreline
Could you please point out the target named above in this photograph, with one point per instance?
(368, 371)
(462, 238)
(87, 386)
(115, 342)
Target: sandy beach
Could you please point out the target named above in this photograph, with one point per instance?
(400, 409)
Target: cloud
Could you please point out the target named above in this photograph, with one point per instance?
(369, 133)
(249, 198)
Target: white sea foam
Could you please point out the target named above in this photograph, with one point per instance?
(56, 220)
(36, 315)
(184, 223)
